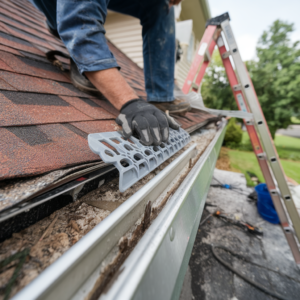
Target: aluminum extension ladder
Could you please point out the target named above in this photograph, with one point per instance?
(217, 31)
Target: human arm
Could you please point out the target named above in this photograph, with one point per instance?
(80, 26)
(113, 86)
(136, 115)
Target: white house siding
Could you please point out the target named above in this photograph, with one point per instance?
(181, 70)
(125, 32)
(182, 67)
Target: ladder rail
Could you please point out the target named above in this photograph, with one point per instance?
(262, 127)
(258, 129)
(258, 150)
(204, 66)
(197, 64)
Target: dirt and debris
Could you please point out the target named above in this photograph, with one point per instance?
(14, 191)
(48, 239)
(52, 236)
(107, 205)
(223, 162)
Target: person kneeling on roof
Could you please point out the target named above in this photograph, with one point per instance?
(80, 25)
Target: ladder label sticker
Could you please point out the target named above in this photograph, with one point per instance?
(241, 102)
(229, 35)
(202, 49)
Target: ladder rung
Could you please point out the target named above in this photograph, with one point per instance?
(226, 54)
(237, 87)
(261, 155)
(195, 86)
(207, 56)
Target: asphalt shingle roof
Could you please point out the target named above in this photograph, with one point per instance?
(44, 119)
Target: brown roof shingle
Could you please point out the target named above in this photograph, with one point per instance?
(44, 119)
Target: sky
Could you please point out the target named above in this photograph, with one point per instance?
(249, 18)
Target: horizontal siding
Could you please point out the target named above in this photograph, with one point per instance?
(125, 32)
(182, 68)
(130, 44)
(132, 48)
(128, 33)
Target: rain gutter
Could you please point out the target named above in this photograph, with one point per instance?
(155, 269)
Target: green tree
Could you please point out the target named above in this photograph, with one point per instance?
(216, 91)
(275, 75)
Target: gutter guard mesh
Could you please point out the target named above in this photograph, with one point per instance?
(130, 157)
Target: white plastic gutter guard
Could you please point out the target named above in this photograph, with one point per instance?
(66, 275)
(132, 159)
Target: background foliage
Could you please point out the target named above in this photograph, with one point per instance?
(275, 75)
(233, 135)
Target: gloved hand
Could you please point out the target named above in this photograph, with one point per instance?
(150, 123)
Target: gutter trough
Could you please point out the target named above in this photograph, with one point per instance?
(156, 266)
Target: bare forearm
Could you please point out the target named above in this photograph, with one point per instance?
(113, 86)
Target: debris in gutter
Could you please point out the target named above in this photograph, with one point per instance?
(21, 256)
(107, 205)
(74, 225)
(49, 229)
(78, 218)
(147, 215)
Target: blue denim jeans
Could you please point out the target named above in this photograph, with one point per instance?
(80, 24)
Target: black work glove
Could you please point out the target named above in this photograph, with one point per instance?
(143, 118)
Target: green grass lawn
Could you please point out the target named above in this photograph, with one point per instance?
(243, 159)
(287, 147)
(246, 161)
(295, 120)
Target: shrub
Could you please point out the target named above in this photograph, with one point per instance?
(233, 135)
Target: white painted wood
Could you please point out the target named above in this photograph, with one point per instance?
(125, 32)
